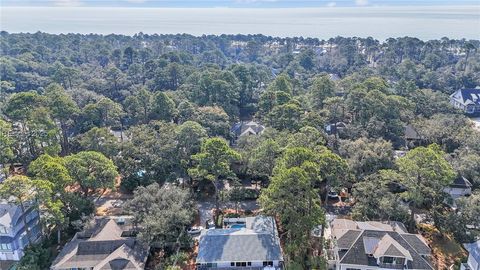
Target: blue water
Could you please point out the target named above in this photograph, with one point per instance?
(424, 22)
(237, 226)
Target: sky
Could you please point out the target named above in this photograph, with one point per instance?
(381, 19)
(235, 3)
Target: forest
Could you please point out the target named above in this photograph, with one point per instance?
(83, 111)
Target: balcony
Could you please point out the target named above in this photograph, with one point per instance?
(391, 265)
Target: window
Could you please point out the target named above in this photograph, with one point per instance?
(5, 246)
(268, 263)
(249, 263)
(240, 264)
(232, 264)
(388, 260)
(353, 269)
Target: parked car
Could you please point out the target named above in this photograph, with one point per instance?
(195, 230)
(332, 194)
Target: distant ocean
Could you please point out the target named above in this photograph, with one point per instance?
(425, 22)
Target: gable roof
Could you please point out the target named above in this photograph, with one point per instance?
(247, 128)
(102, 247)
(360, 243)
(461, 182)
(387, 246)
(467, 96)
(257, 242)
(411, 133)
(393, 245)
(10, 213)
(347, 239)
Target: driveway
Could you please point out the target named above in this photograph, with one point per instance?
(110, 204)
(205, 208)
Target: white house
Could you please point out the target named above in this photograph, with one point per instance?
(459, 188)
(247, 128)
(251, 244)
(13, 230)
(473, 262)
(467, 100)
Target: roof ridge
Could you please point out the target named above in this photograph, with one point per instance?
(408, 243)
(359, 235)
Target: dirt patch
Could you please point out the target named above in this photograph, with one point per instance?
(446, 250)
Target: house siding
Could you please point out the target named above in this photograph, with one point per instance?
(16, 236)
(458, 192)
(227, 265)
(474, 265)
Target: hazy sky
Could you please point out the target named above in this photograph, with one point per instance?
(380, 19)
(235, 3)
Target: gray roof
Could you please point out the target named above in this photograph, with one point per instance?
(358, 255)
(102, 246)
(346, 240)
(416, 243)
(461, 182)
(411, 133)
(9, 214)
(467, 96)
(247, 128)
(257, 242)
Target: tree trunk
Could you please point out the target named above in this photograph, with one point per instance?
(5, 170)
(65, 148)
(412, 218)
(326, 195)
(217, 205)
(59, 235)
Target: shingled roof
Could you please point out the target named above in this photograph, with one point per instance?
(468, 96)
(102, 246)
(362, 242)
(247, 128)
(257, 242)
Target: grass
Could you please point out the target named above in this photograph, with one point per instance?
(446, 250)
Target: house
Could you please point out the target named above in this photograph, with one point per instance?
(411, 136)
(14, 228)
(473, 262)
(467, 100)
(376, 245)
(335, 128)
(246, 128)
(252, 242)
(106, 243)
(459, 188)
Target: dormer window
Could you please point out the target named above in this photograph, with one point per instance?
(392, 260)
